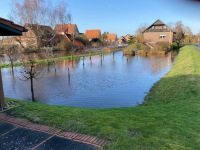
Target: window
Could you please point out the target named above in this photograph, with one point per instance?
(162, 37)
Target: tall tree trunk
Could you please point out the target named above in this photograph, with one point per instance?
(48, 66)
(54, 65)
(12, 66)
(32, 91)
(11, 63)
(31, 78)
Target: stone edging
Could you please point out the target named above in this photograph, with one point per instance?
(42, 128)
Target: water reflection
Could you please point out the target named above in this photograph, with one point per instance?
(106, 81)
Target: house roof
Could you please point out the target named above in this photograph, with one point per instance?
(121, 38)
(8, 27)
(158, 23)
(111, 36)
(59, 37)
(91, 34)
(40, 29)
(127, 37)
(67, 28)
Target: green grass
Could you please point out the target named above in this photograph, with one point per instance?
(49, 60)
(169, 118)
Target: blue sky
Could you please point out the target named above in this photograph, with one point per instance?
(125, 16)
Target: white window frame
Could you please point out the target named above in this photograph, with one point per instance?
(162, 37)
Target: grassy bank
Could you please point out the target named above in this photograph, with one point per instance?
(169, 118)
(50, 60)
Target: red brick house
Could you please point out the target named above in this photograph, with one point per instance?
(93, 34)
(69, 30)
(111, 37)
(158, 32)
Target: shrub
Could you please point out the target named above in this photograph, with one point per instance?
(95, 42)
(133, 47)
(5, 47)
(83, 39)
(79, 44)
(30, 49)
(163, 46)
(174, 45)
(68, 46)
(8, 46)
(62, 45)
(144, 47)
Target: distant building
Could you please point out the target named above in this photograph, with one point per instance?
(93, 34)
(111, 37)
(122, 40)
(37, 36)
(69, 30)
(127, 37)
(158, 32)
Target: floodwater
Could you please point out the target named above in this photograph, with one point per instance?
(102, 82)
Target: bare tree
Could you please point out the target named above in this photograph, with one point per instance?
(188, 35)
(30, 72)
(139, 32)
(197, 38)
(34, 13)
(12, 52)
(179, 28)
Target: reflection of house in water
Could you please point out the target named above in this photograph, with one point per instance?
(157, 63)
(31, 56)
(68, 63)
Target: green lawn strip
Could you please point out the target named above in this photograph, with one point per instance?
(169, 118)
(53, 59)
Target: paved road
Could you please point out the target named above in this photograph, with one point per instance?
(17, 138)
